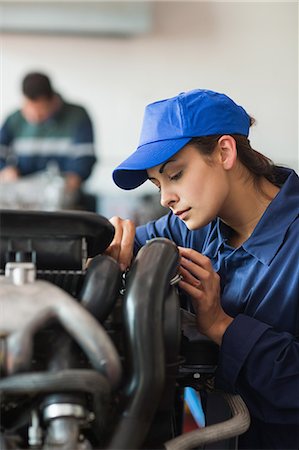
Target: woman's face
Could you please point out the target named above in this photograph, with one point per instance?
(194, 187)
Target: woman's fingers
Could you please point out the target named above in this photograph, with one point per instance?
(202, 283)
(121, 248)
(189, 278)
(199, 278)
(196, 293)
(194, 269)
(114, 248)
(127, 244)
(198, 266)
(196, 257)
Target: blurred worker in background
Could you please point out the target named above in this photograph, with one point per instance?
(47, 130)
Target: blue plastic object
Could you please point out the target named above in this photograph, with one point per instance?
(192, 399)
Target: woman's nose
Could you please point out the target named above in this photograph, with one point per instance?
(168, 198)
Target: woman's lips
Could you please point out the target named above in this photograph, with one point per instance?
(182, 214)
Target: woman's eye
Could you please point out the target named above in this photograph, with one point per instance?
(176, 176)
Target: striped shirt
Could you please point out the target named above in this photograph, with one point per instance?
(65, 138)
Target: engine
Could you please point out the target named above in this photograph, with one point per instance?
(93, 358)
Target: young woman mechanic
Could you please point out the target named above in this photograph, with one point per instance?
(234, 216)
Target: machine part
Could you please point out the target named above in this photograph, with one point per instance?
(44, 190)
(193, 401)
(238, 424)
(82, 380)
(101, 287)
(35, 432)
(172, 329)
(64, 410)
(29, 307)
(20, 272)
(63, 433)
(151, 351)
(176, 279)
(55, 228)
(143, 318)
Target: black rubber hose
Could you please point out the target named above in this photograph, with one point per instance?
(81, 380)
(101, 287)
(146, 290)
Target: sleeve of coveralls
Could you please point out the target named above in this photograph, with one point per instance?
(263, 368)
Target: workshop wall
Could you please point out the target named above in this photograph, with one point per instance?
(249, 50)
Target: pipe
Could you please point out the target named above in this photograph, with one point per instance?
(235, 426)
(148, 285)
(83, 380)
(28, 308)
(101, 287)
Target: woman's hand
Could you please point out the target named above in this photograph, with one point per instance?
(121, 248)
(202, 283)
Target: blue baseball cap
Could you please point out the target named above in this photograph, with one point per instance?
(168, 125)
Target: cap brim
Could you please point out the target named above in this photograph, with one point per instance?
(131, 173)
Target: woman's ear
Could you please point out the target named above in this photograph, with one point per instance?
(228, 151)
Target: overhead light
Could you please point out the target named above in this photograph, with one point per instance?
(121, 18)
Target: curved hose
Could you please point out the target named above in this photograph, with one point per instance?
(101, 287)
(235, 426)
(82, 380)
(146, 291)
(29, 307)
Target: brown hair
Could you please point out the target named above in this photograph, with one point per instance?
(256, 163)
(36, 85)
